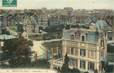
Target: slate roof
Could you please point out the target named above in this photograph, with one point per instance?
(102, 25)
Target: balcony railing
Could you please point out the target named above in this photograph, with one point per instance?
(58, 62)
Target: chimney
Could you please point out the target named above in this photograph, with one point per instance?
(0, 24)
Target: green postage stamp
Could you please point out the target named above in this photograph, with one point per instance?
(9, 3)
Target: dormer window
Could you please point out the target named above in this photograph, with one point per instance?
(72, 37)
(83, 37)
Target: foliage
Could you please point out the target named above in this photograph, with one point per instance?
(17, 50)
(86, 72)
(20, 28)
(67, 27)
(65, 67)
(4, 31)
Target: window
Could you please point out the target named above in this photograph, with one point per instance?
(72, 37)
(76, 51)
(92, 54)
(83, 38)
(109, 35)
(54, 51)
(59, 53)
(82, 52)
(72, 50)
(110, 38)
(82, 64)
(90, 66)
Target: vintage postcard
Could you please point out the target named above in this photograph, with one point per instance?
(56, 36)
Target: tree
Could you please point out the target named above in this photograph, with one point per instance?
(20, 28)
(95, 71)
(86, 72)
(67, 27)
(65, 68)
(17, 50)
(5, 31)
(75, 70)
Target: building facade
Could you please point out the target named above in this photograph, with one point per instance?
(110, 55)
(85, 47)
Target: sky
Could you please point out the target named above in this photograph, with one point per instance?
(52, 4)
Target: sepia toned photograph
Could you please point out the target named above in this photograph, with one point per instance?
(73, 36)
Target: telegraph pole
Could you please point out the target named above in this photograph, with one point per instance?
(113, 27)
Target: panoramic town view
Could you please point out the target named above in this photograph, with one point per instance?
(66, 40)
